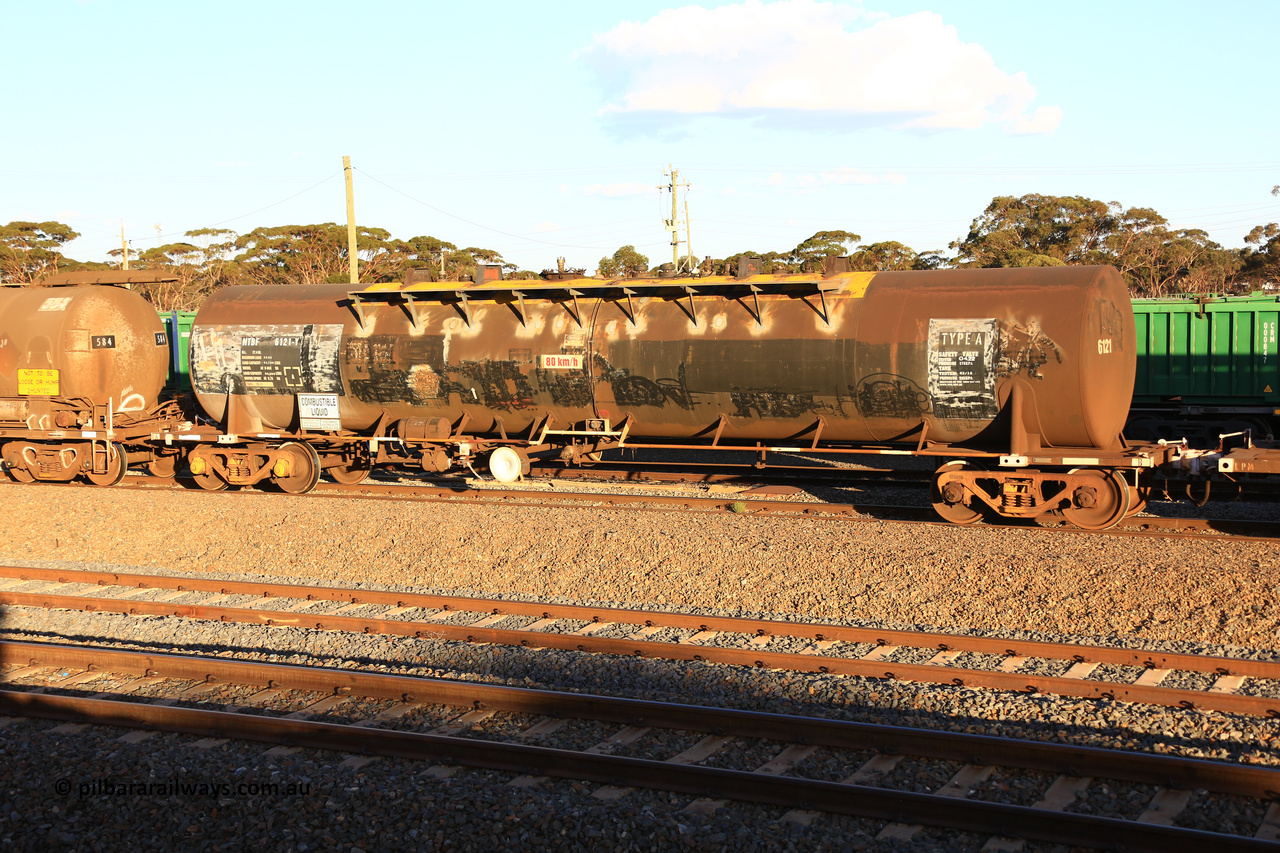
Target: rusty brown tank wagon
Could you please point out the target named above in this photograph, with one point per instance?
(1020, 379)
(82, 362)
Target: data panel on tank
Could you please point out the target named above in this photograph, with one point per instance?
(268, 360)
(961, 374)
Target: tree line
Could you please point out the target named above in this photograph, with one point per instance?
(1030, 230)
(211, 258)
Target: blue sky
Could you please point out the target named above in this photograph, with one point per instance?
(542, 130)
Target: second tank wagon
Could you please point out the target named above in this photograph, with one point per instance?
(862, 357)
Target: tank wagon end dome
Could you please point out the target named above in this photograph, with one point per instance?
(105, 344)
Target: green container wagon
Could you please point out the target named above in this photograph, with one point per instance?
(1206, 366)
(177, 324)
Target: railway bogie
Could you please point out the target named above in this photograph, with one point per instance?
(1090, 498)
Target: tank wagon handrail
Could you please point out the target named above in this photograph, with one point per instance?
(1206, 298)
(615, 291)
(609, 291)
(114, 277)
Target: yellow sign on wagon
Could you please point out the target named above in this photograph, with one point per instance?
(38, 383)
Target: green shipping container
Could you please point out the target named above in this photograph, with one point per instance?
(177, 324)
(1208, 354)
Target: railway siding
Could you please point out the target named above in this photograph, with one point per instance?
(1212, 597)
(292, 695)
(1190, 594)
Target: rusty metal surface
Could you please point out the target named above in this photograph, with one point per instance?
(1083, 653)
(856, 357)
(1018, 682)
(101, 343)
(1251, 460)
(952, 812)
(1246, 780)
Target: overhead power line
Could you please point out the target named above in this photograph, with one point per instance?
(474, 224)
(161, 237)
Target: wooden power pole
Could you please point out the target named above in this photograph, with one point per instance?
(353, 261)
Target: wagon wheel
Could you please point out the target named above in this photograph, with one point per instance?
(21, 474)
(952, 500)
(305, 470)
(1100, 506)
(350, 472)
(117, 466)
(164, 467)
(210, 482)
(1138, 497)
(204, 475)
(586, 460)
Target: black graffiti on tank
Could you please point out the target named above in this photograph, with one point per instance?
(630, 389)
(498, 384)
(768, 403)
(888, 395)
(568, 390)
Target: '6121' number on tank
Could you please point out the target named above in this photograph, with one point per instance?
(1104, 346)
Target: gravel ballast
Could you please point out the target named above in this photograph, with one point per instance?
(996, 580)
(1175, 594)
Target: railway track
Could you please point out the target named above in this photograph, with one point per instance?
(30, 670)
(766, 501)
(777, 497)
(810, 475)
(1021, 666)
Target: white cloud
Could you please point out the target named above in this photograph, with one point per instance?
(818, 64)
(1043, 120)
(631, 188)
(545, 227)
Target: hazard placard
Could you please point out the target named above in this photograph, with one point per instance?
(38, 383)
(319, 411)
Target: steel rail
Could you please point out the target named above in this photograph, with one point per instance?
(1235, 703)
(817, 631)
(739, 474)
(1169, 528)
(1147, 768)
(863, 801)
(827, 476)
(1238, 530)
